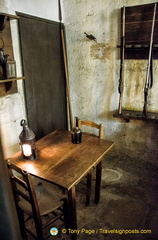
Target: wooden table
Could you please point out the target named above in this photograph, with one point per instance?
(65, 164)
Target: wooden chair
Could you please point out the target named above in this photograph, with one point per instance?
(90, 126)
(33, 202)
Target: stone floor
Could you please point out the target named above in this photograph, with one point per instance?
(129, 200)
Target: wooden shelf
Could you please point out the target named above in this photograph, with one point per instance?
(137, 115)
(9, 16)
(138, 46)
(11, 79)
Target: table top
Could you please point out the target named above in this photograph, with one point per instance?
(62, 162)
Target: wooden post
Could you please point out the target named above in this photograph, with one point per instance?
(66, 66)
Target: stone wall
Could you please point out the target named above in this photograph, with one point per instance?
(94, 72)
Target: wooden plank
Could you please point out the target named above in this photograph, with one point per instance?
(138, 24)
(137, 115)
(140, 12)
(10, 16)
(11, 79)
(139, 54)
(44, 73)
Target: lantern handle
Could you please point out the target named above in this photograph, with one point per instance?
(23, 122)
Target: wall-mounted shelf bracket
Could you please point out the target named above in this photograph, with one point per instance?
(136, 115)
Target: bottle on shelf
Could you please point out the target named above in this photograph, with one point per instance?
(76, 133)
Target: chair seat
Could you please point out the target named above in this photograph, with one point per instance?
(43, 187)
(44, 207)
(49, 197)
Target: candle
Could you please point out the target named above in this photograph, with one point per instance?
(26, 150)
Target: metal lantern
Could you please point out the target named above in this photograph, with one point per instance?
(27, 141)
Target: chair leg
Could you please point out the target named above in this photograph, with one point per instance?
(66, 214)
(89, 186)
(22, 223)
(39, 230)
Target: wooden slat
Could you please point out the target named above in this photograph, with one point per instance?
(11, 79)
(137, 115)
(10, 16)
(140, 12)
(138, 24)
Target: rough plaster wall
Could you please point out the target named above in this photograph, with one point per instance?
(12, 107)
(94, 71)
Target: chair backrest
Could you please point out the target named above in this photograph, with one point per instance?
(92, 125)
(23, 188)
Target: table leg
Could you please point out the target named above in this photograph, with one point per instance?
(98, 182)
(72, 209)
(89, 188)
